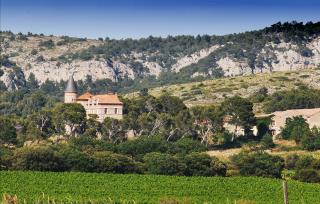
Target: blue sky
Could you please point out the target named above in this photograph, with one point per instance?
(142, 18)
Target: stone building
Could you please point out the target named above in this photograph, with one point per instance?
(102, 105)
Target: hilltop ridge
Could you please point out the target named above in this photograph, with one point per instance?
(156, 61)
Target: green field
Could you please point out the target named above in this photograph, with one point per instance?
(101, 188)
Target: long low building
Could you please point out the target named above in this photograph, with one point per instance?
(279, 118)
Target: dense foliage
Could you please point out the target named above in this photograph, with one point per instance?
(300, 98)
(298, 129)
(258, 164)
(307, 167)
(90, 155)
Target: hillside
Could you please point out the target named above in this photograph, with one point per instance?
(108, 188)
(216, 90)
(156, 61)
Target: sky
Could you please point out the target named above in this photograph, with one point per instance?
(142, 18)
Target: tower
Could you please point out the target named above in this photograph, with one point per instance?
(70, 93)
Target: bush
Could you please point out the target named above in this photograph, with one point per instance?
(304, 162)
(186, 145)
(258, 164)
(165, 164)
(307, 175)
(267, 141)
(39, 158)
(291, 161)
(311, 142)
(201, 164)
(143, 145)
(75, 160)
(5, 154)
(48, 44)
(34, 52)
(89, 144)
(40, 58)
(316, 164)
(114, 163)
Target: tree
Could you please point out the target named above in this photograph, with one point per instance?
(7, 131)
(240, 113)
(311, 141)
(113, 130)
(143, 92)
(171, 104)
(93, 127)
(70, 117)
(43, 121)
(32, 82)
(208, 122)
(296, 128)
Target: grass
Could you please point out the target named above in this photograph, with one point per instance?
(32, 187)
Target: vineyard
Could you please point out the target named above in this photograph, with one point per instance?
(31, 187)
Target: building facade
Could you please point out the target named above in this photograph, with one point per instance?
(102, 105)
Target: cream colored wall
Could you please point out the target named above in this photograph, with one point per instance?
(314, 120)
(279, 120)
(99, 110)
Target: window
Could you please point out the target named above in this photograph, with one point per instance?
(106, 110)
(116, 111)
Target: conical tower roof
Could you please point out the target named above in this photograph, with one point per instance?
(71, 86)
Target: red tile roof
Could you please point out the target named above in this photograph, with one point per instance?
(86, 96)
(108, 99)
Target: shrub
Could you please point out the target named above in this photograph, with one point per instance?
(75, 160)
(40, 58)
(34, 52)
(187, 145)
(307, 175)
(165, 164)
(291, 161)
(304, 162)
(116, 163)
(258, 164)
(89, 144)
(48, 44)
(201, 164)
(311, 142)
(39, 158)
(316, 164)
(143, 145)
(267, 141)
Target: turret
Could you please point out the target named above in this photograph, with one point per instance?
(70, 93)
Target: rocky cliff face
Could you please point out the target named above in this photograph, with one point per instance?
(45, 57)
